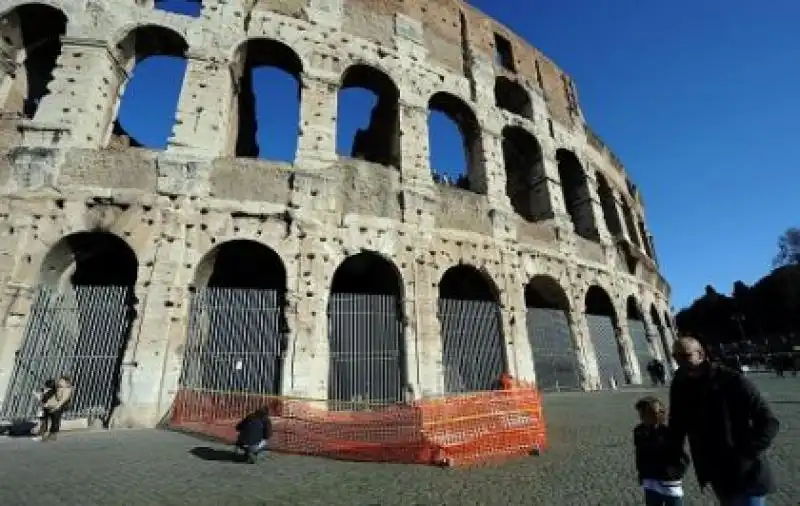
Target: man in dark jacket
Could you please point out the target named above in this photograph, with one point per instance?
(254, 431)
(728, 423)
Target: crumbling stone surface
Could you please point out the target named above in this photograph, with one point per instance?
(173, 208)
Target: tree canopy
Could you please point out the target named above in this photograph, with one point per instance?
(766, 311)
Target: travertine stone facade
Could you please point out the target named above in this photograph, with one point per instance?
(66, 170)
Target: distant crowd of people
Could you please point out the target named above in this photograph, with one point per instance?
(729, 426)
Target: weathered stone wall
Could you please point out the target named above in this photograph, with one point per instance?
(172, 208)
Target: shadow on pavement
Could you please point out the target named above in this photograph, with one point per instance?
(18, 428)
(214, 454)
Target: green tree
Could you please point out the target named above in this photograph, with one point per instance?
(788, 248)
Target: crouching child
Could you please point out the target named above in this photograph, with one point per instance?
(660, 470)
(254, 431)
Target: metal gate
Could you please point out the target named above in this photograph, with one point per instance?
(367, 360)
(81, 332)
(554, 356)
(638, 334)
(235, 341)
(473, 349)
(609, 359)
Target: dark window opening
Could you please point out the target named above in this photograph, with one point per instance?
(368, 124)
(37, 29)
(575, 188)
(464, 282)
(512, 97)
(609, 205)
(645, 239)
(157, 56)
(454, 139)
(504, 53)
(268, 95)
(544, 292)
(367, 273)
(633, 309)
(245, 264)
(523, 160)
(598, 303)
(630, 224)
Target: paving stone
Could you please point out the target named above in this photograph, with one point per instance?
(588, 463)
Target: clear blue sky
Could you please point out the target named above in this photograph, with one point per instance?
(700, 100)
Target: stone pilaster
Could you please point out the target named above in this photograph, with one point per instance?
(551, 186)
(630, 363)
(414, 142)
(316, 146)
(430, 350)
(203, 117)
(515, 329)
(620, 215)
(582, 341)
(598, 218)
(84, 96)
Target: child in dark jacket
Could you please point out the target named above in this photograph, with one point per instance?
(660, 470)
(254, 431)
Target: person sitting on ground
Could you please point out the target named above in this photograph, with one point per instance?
(660, 470)
(54, 407)
(43, 396)
(254, 431)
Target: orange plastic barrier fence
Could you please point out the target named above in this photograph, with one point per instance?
(456, 430)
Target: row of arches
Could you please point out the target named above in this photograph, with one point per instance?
(268, 89)
(238, 337)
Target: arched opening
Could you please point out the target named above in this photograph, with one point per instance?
(555, 357)
(268, 94)
(577, 198)
(638, 333)
(454, 137)
(79, 325)
(473, 348)
(645, 239)
(601, 318)
(237, 332)
(630, 224)
(368, 125)
(155, 58)
(664, 337)
(524, 164)
(512, 97)
(191, 8)
(609, 205)
(30, 41)
(366, 335)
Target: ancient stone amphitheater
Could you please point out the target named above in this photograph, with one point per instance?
(362, 278)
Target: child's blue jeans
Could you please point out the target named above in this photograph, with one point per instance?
(653, 498)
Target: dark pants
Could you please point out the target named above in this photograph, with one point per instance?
(652, 498)
(51, 421)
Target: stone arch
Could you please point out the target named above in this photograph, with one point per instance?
(648, 248)
(630, 223)
(80, 325)
(525, 181)
(638, 331)
(609, 205)
(555, 355)
(379, 142)
(474, 177)
(577, 196)
(251, 55)
(30, 40)
(512, 97)
(473, 347)
(602, 321)
(237, 331)
(366, 333)
(138, 44)
(663, 336)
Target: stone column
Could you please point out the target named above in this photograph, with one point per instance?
(654, 338)
(597, 209)
(308, 318)
(582, 341)
(515, 329)
(83, 99)
(630, 362)
(415, 145)
(204, 109)
(316, 146)
(552, 186)
(429, 331)
(16, 303)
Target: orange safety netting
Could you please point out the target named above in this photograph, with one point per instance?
(453, 430)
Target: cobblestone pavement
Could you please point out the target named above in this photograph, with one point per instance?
(588, 464)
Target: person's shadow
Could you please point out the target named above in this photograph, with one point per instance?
(215, 454)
